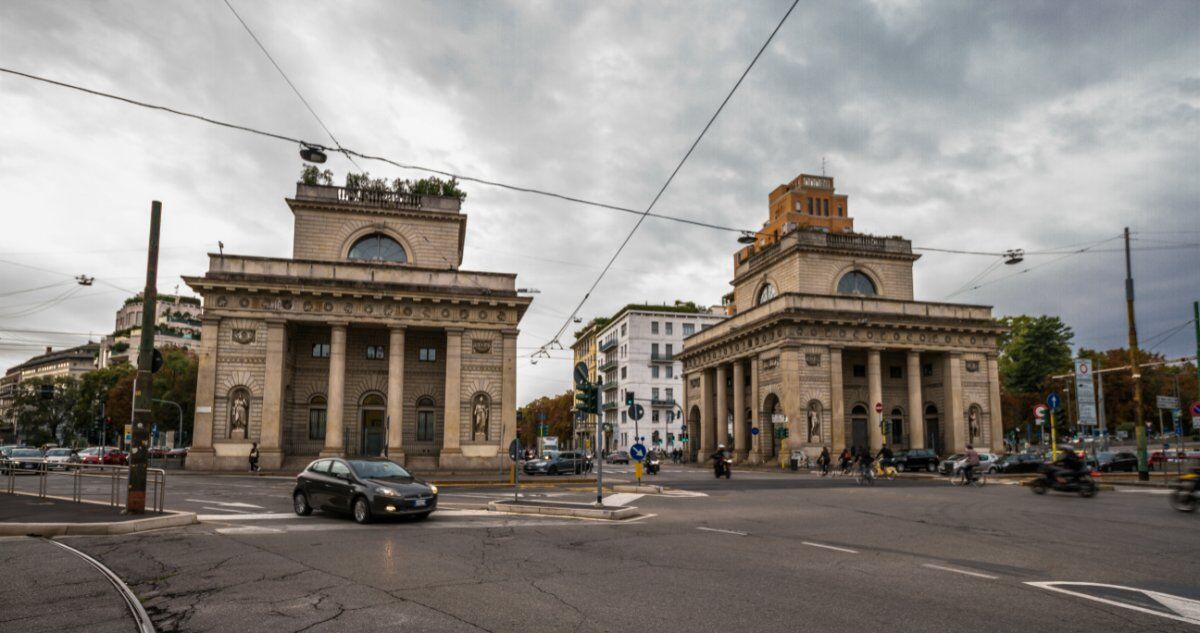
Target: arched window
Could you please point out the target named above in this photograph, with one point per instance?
(766, 293)
(316, 417)
(856, 283)
(378, 247)
(425, 407)
(373, 400)
(897, 437)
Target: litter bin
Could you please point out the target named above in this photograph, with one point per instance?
(795, 461)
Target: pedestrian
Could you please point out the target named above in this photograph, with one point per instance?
(823, 460)
(844, 460)
(254, 458)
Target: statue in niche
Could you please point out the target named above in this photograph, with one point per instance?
(239, 415)
(814, 425)
(973, 423)
(480, 414)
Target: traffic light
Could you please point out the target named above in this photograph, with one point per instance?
(629, 398)
(587, 398)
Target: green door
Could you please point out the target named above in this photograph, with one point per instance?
(372, 432)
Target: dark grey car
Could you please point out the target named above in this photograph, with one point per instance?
(365, 488)
(556, 463)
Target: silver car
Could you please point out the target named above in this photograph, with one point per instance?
(955, 462)
(61, 458)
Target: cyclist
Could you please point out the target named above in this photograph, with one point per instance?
(972, 462)
(884, 456)
(864, 462)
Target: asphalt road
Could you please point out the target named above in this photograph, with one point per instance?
(763, 551)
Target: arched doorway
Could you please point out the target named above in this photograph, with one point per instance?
(897, 428)
(933, 432)
(858, 427)
(770, 440)
(371, 412)
(692, 446)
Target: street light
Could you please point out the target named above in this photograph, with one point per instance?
(1014, 256)
(312, 153)
(746, 238)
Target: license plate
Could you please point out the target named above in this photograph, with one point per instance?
(29, 466)
(419, 503)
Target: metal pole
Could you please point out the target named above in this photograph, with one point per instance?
(1139, 428)
(1100, 404)
(599, 462)
(135, 498)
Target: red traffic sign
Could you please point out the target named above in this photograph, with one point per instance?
(1196, 409)
(878, 407)
(1039, 411)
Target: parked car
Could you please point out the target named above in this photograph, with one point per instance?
(109, 456)
(617, 457)
(24, 460)
(987, 463)
(61, 458)
(1019, 463)
(178, 453)
(916, 459)
(366, 488)
(556, 463)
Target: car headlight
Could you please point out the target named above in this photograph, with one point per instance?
(387, 492)
(433, 489)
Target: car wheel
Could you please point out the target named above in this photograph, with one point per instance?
(930, 467)
(362, 510)
(300, 504)
(553, 470)
(899, 468)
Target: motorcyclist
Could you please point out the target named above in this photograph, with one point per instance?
(972, 462)
(1069, 466)
(718, 459)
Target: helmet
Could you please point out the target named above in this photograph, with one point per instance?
(720, 446)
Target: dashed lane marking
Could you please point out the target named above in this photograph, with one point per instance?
(961, 571)
(1155, 603)
(1145, 491)
(832, 547)
(733, 532)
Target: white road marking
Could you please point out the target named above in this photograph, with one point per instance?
(1145, 491)
(227, 504)
(1181, 609)
(621, 498)
(683, 493)
(734, 532)
(962, 571)
(227, 510)
(832, 547)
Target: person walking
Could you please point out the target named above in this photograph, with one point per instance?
(823, 460)
(254, 458)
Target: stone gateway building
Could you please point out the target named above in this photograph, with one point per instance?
(827, 342)
(369, 340)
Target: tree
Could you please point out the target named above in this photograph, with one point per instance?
(176, 382)
(1033, 349)
(94, 389)
(43, 411)
(559, 411)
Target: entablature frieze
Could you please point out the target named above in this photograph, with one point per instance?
(362, 310)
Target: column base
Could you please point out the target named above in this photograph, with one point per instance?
(754, 459)
(395, 454)
(739, 457)
(200, 459)
(270, 459)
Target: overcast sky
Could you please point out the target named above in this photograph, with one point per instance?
(1035, 125)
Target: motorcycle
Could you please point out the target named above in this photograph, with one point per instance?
(723, 466)
(652, 465)
(1186, 495)
(1082, 484)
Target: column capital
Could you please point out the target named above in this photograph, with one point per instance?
(338, 324)
(511, 331)
(210, 319)
(453, 330)
(276, 321)
(914, 352)
(398, 327)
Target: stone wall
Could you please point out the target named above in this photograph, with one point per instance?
(240, 364)
(818, 273)
(429, 240)
(482, 373)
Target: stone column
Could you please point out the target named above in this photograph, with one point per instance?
(756, 413)
(875, 391)
(956, 431)
(707, 434)
(837, 400)
(740, 445)
(201, 456)
(452, 424)
(721, 419)
(335, 395)
(395, 394)
(994, 410)
(793, 408)
(508, 390)
(270, 447)
(916, 409)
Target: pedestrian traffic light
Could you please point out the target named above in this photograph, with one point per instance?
(629, 398)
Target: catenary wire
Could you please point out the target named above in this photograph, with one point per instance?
(670, 178)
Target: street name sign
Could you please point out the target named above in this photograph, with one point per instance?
(1168, 402)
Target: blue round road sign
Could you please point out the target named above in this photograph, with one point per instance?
(1052, 401)
(637, 452)
(754, 431)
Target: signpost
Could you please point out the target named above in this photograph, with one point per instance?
(638, 453)
(1085, 391)
(1039, 415)
(514, 453)
(1165, 403)
(1052, 401)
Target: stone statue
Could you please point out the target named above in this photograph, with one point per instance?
(973, 423)
(239, 412)
(479, 417)
(814, 426)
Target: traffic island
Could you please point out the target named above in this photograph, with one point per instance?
(564, 508)
(642, 489)
(29, 515)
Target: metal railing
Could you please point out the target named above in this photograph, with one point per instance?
(86, 480)
(662, 357)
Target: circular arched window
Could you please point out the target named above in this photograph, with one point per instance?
(856, 283)
(766, 293)
(378, 247)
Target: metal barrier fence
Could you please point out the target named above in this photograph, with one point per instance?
(101, 480)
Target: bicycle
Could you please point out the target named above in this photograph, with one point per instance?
(959, 478)
(865, 474)
(886, 472)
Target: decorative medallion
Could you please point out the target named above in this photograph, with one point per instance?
(813, 360)
(222, 301)
(481, 346)
(369, 308)
(407, 311)
(483, 315)
(388, 310)
(328, 306)
(243, 336)
(287, 304)
(348, 308)
(972, 366)
(445, 313)
(308, 306)
(501, 315)
(464, 314)
(244, 302)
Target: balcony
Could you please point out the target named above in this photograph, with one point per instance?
(609, 366)
(665, 357)
(609, 386)
(607, 344)
(367, 198)
(662, 402)
(609, 406)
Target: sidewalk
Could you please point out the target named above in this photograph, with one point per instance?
(22, 514)
(47, 588)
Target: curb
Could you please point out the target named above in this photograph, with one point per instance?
(581, 511)
(170, 518)
(645, 489)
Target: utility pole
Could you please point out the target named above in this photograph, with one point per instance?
(1139, 427)
(143, 395)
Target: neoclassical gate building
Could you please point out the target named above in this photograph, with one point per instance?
(824, 330)
(370, 338)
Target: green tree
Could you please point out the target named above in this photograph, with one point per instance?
(559, 411)
(1033, 349)
(176, 382)
(94, 389)
(48, 417)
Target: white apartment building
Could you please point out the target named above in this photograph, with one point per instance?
(636, 351)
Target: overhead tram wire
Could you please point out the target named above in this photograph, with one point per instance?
(1034, 267)
(663, 189)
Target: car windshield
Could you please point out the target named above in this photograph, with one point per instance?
(378, 469)
(26, 452)
(58, 452)
(955, 456)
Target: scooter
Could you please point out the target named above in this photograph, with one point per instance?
(1186, 495)
(1082, 484)
(652, 465)
(723, 466)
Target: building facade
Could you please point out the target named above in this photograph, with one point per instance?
(176, 325)
(72, 362)
(827, 347)
(369, 340)
(637, 353)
